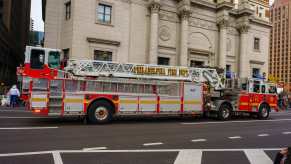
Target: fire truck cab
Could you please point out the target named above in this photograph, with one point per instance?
(39, 63)
(251, 96)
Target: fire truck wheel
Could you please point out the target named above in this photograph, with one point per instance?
(224, 112)
(264, 111)
(100, 112)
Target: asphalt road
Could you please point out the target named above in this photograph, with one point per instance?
(25, 138)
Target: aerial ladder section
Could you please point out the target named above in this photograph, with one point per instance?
(95, 68)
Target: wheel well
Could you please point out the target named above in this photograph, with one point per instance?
(228, 104)
(264, 103)
(102, 99)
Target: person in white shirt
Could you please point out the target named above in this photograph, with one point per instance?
(13, 94)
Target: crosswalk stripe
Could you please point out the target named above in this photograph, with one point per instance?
(57, 157)
(257, 156)
(189, 157)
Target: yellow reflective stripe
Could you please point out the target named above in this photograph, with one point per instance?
(192, 102)
(148, 101)
(128, 101)
(255, 104)
(244, 103)
(35, 99)
(73, 100)
(170, 101)
(273, 104)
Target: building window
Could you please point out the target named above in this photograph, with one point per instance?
(195, 63)
(228, 71)
(102, 55)
(104, 13)
(257, 43)
(68, 10)
(163, 61)
(66, 53)
(256, 72)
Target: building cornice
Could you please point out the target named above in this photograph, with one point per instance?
(257, 62)
(261, 22)
(207, 4)
(103, 41)
(225, 6)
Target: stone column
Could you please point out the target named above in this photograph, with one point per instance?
(223, 26)
(154, 41)
(183, 61)
(244, 65)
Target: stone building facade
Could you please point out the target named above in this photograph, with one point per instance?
(223, 33)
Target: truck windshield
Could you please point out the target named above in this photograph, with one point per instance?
(54, 59)
(37, 59)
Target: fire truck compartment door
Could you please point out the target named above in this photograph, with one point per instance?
(170, 104)
(73, 103)
(148, 103)
(38, 100)
(192, 98)
(128, 103)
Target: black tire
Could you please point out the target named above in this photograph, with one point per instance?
(224, 112)
(100, 112)
(264, 111)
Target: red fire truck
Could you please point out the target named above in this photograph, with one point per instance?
(100, 90)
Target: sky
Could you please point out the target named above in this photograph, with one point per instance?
(36, 14)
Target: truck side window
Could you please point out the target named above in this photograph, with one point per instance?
(54, 60)
(244, 86)
(272, 89)
(37, 59)
(256, 87)
(263, 89)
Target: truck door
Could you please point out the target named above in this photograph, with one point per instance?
(256, 96)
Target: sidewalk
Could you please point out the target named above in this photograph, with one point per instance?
(16, 109)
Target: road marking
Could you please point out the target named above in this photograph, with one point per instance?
(94, 148)
(28, 128)
(286, 133)
(24, 154)
(199, 140)
(57, 157)
(229, 122)
(131, 151)
(235, 137)
(152, 144)
(189, 157)
(258, 157)
(263, 135)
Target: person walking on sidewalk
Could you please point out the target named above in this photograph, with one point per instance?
(13, 94)
(284, 156)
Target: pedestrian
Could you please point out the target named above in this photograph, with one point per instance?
(13, 94)
(284, 156)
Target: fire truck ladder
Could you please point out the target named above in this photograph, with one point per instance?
(95, 68)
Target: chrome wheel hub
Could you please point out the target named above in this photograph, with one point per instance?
(225, 113)
(264, 112)
(101, 113)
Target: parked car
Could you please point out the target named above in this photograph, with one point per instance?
(4, 100)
